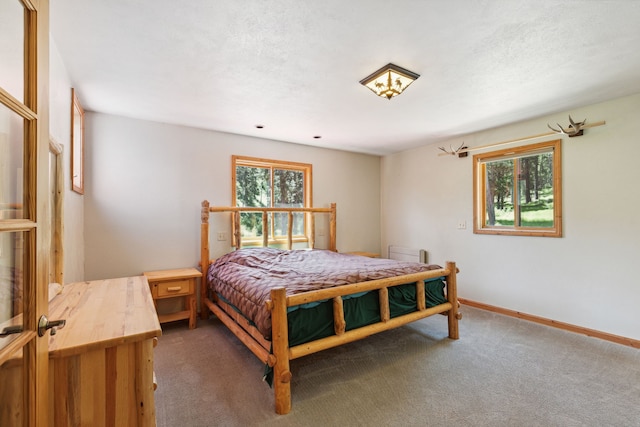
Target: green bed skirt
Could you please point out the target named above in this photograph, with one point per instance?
(309, 324)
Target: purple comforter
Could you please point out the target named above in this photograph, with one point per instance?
(245, 277)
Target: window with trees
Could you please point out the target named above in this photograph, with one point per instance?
(271, 183)
(518, 191)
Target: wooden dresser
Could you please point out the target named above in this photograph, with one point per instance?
(101, 361)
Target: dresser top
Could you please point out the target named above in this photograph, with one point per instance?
(102, 313)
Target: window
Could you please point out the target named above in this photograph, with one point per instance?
(271, 183)
(77, 144)
(517, 191)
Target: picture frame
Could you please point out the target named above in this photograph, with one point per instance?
(77, 144)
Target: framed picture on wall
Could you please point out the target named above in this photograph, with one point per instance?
(77, 144)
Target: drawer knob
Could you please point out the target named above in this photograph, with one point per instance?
(174, 288)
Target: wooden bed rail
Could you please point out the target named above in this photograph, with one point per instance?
(323, 294)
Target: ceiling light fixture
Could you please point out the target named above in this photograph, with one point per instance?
(389, 81)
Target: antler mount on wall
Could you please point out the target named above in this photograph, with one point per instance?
(574, 129)
(457, 151)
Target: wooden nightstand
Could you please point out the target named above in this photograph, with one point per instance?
(180, 282)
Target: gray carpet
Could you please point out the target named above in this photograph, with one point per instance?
(502, 372)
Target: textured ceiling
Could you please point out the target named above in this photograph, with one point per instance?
(293, 66)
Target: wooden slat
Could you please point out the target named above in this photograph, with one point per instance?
(290, 230)
(339, 324)
(265, 229)
(237, 229)
(125, 391)
(114, 370)
(146, 415)
(332, 228)
(64, 395)
(420, 295)
(312, 230)
(383, 297)
(92, 380)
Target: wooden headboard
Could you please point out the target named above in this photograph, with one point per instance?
(236, 241)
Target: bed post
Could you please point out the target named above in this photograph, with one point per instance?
(452, 297)
(204, 257)
(280, 342)
(332, 229)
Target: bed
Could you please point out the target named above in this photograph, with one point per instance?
(284, 303)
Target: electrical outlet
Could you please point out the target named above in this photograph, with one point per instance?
(222, 236)
(462, 224)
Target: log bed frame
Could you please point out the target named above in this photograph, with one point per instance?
(277, 353)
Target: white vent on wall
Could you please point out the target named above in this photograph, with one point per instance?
(400, 253)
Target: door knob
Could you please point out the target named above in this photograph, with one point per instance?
(54, 325)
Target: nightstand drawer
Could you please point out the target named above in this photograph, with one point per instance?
(179, 283)
(174, 288)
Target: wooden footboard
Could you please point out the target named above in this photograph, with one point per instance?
(280, 301)
(277, 353)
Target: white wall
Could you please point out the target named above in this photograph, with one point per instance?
(60, 132)
(586, 278)
(144, 182)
